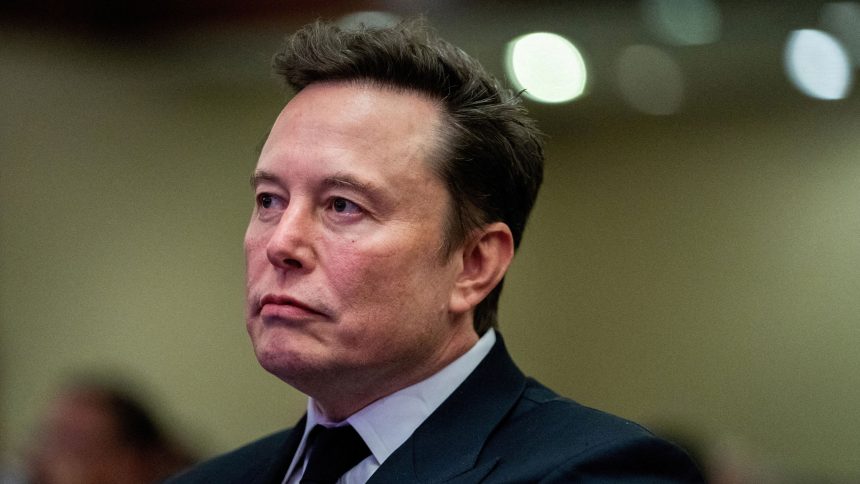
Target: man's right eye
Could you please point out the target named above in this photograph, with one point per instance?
(265, 200)
(269, 203)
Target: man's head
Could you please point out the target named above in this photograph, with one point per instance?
(94, 433)
(489, 152)
(384, 216)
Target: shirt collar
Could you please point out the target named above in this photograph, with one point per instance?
(388, 422)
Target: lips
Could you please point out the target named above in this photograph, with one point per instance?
(279, 306)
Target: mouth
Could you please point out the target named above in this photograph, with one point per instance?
(285, 307)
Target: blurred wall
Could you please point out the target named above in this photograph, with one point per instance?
(703, 278)
(124, 199)
(697, 272)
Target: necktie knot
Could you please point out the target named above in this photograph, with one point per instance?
(333, 451)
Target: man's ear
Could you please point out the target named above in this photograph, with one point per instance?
(486, 257)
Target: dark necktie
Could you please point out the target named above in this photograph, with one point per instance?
(333, 451)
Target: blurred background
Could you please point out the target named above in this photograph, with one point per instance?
(693, 261)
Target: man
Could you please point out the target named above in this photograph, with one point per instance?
(96, 433)
(390, 196)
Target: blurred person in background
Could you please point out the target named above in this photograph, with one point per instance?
(93, 433)
(390, 196)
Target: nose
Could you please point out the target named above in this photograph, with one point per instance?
(291, 244)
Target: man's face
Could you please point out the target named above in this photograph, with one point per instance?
(345, 280)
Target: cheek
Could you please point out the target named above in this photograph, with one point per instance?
(351, 270)
(256, 266)
(255, 253)
(385, 280)
(254, 240)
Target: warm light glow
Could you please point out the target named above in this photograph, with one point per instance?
(818, 65)
(548, 66)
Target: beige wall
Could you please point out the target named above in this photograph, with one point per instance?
(704, 278)
(692, 272)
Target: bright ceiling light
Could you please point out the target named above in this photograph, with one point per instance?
(547, 66)
(818, 65)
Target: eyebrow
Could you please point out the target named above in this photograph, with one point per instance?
(259, 176)
(339, 180)
(345, 180)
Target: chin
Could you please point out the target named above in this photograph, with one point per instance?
(282, 366)
(282, 359)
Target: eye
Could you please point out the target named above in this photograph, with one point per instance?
(265, 200)
(269, 204)
(342, 205)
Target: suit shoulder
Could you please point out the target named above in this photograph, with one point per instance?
(585, 443)
(541, 406)
(235, 466)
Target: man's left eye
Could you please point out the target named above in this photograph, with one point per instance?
(342, 205)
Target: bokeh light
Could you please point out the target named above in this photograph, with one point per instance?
(842, 19)
(818, 65)
(683, 22)
(368, 19)
(547, 66)
(650, 80)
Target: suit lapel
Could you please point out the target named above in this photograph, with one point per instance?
(276, 469)
(447, 444)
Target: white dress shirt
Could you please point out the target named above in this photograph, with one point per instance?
(388, 422)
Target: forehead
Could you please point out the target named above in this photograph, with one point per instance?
(359, 117)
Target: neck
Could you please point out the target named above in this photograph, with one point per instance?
(350, 393)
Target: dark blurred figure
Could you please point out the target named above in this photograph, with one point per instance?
(97, 434)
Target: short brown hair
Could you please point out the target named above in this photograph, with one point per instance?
(492, 155)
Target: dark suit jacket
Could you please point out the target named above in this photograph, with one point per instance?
(498, 426)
